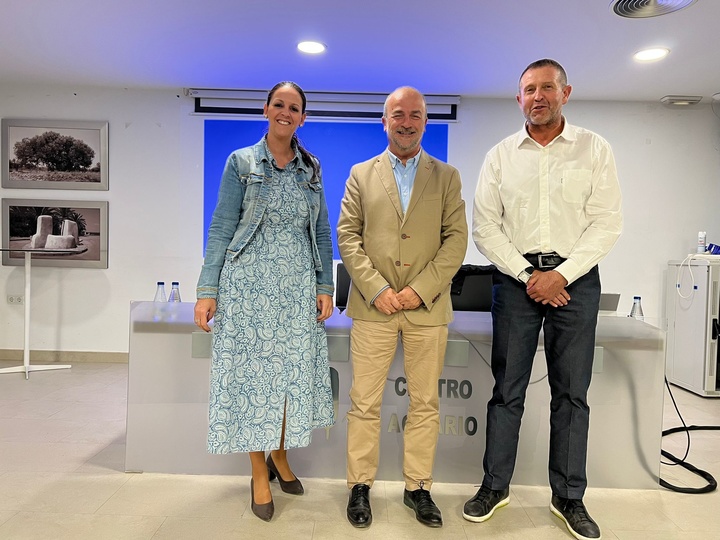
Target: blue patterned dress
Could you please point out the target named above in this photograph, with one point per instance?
(270, 354)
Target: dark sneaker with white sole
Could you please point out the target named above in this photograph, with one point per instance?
(576, 518)
(482, 506)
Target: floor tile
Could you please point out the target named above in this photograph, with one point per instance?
(5, 516)
(48, 457)
(30, 409)
(57, 492)
(659, 535)
(184, 528)
(342, 530)
(62, 458)
(68, 526)
(687, 512)
(180, 495)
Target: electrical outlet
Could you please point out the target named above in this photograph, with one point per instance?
(15, 299)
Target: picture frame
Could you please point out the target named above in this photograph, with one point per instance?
(54, 154)
(63, 223)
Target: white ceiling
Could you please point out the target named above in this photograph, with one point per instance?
(466, 47)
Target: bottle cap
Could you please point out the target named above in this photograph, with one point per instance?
(176, 283)
(161, 283)
(636, 298)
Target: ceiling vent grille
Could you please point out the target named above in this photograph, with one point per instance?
(641, 9)
(677, 100)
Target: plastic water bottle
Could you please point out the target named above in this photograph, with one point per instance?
(160, 292)
(702, 242)
(175, 292)
(159, 301)
(636, 312)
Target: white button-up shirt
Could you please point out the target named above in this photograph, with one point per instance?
(563, 197)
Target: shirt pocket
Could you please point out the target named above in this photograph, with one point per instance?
(251, 178)
(576, 185)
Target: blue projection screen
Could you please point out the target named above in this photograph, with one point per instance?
(338, 145)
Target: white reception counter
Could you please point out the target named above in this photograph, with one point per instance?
(169, 381)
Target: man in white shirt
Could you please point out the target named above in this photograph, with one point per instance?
(547, 210)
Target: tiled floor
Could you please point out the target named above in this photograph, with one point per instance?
(62, 436)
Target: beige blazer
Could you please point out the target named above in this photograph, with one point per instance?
(422, 248)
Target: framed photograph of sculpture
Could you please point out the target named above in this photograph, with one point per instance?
(54, 154)
(60, 233)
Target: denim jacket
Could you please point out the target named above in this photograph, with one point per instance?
(242, 200)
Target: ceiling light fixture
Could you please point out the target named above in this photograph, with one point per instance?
(311, 47)
(680, 101)
(642, 9)
(651, 55)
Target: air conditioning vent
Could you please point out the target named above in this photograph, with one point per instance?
(641, 9)
(680, 101)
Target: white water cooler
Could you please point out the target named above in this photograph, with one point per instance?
(693, 303)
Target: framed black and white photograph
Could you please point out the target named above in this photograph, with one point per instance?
(59, 233)
(54, 154)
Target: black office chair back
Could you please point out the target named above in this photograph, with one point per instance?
(342, 286)
(471, 288)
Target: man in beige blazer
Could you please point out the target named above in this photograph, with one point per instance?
(402, 235)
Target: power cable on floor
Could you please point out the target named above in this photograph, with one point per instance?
(711, 482)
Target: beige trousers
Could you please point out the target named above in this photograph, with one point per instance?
(373, 346)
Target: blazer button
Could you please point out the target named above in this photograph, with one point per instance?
(397, 263)
(403, 236)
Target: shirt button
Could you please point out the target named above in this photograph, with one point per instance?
(397, 263)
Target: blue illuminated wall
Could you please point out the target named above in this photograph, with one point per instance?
(338, 145)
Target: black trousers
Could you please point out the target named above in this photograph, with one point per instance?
(569, 339)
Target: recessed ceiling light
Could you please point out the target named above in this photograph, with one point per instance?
(651, 55)
(311, 47)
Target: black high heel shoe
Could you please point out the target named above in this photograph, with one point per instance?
(263, 511)
(293, 487)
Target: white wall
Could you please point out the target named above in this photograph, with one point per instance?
(669, 167)
(668, 162)
(155, 217)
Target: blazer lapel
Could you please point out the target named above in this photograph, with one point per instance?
(422, 177)
(387, 177)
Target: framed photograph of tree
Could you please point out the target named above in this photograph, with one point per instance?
(59, 233)
(54, 154)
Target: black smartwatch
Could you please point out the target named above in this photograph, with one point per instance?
(524, 276)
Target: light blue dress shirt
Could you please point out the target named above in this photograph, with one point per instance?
(405, 179)
(404, 176)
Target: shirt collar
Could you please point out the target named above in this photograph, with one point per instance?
(412, 162)
(568, 133)
(266, 155)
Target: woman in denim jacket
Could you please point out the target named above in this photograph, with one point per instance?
(267, 282)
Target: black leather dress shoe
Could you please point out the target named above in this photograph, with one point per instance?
(358, 508)
(426, 511)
